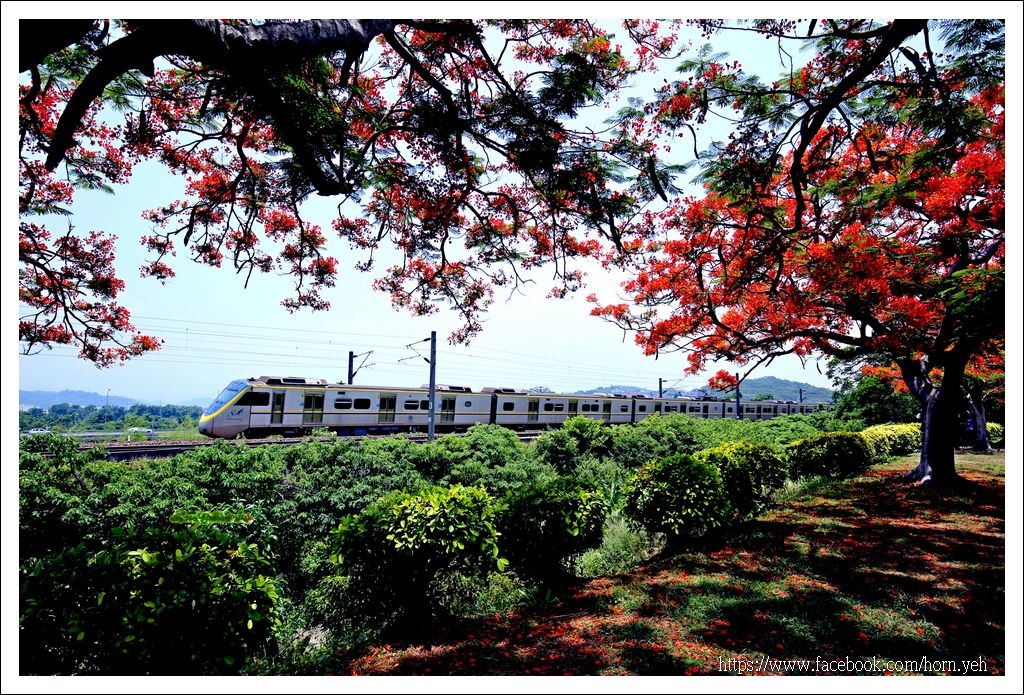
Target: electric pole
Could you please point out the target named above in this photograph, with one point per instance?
(433, 385)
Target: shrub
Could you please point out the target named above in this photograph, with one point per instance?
(893, 440)
(750, 473)
(403, 552)
(678, 496)
(996, 435)
(653, 438)
(492, 457)
(544, 524)
(622, 549)
(833, 454)
(579, 436)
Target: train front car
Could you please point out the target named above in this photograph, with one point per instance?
(225, 417)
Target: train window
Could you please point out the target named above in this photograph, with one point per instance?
(585, 408)
(343, 403)
(411, 405)
(549, 407)
(508, 406)
(362, 404)
(424, 405)
(255, 398)
(559, 407)
(641, 408)
(623, 408)
(694, 408)
(730, 409)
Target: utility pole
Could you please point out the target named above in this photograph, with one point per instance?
(433, 385)
(801, 395)
(351, 366)
(661, 392)
(739, 412)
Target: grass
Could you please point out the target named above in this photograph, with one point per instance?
(872, 570)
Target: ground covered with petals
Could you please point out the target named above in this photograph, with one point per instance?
(869, 575)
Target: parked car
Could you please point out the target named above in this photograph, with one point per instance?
(134, 432)
(39, 430)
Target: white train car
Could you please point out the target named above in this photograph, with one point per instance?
(293, 406)
(519, 409)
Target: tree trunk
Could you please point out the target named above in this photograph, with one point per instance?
(939, 433)
(980, 421)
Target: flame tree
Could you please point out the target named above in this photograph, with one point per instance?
(856, 207)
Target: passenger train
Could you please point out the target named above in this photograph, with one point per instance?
(294, 406)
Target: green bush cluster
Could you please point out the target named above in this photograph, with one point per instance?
(678, 496)
(547, 523)
(996, 434)
(832, 454)
(892, 440)
(283, 557)
(402, 553)
(750, 473)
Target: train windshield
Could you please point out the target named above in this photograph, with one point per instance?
(225, 396)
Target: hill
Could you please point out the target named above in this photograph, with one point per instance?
(45, 399)
(780, 390)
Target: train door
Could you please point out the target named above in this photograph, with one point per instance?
(277, 408)
(573, 408)
(448, 409)
(313, 408)
(606, 410)
(533, 410)
(386, 407)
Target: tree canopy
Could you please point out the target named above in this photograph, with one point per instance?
(856, 207)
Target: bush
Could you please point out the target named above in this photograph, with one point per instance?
(653, 438)
(678, 496)
(579, 436)
(996, 435)
(404, 553)
(622, 549)
(750, 473)
(492, 457)
(833, 454)
(544, 524)
(893, 440)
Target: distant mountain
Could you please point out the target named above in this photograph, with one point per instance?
(780, 390)
(46, 399)
(784, 390)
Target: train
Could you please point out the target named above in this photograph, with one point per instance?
(259, 407)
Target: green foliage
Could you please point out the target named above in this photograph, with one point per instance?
(996, 434)
(782, 430)
(579, 436)
(116, 557)
(492, 457)
(402, 554)
(874, 402)
(833, 454)
(750, 473)
(544, 524)
(892, 440)
(678, 496)
(653, 438)
(623, 548)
